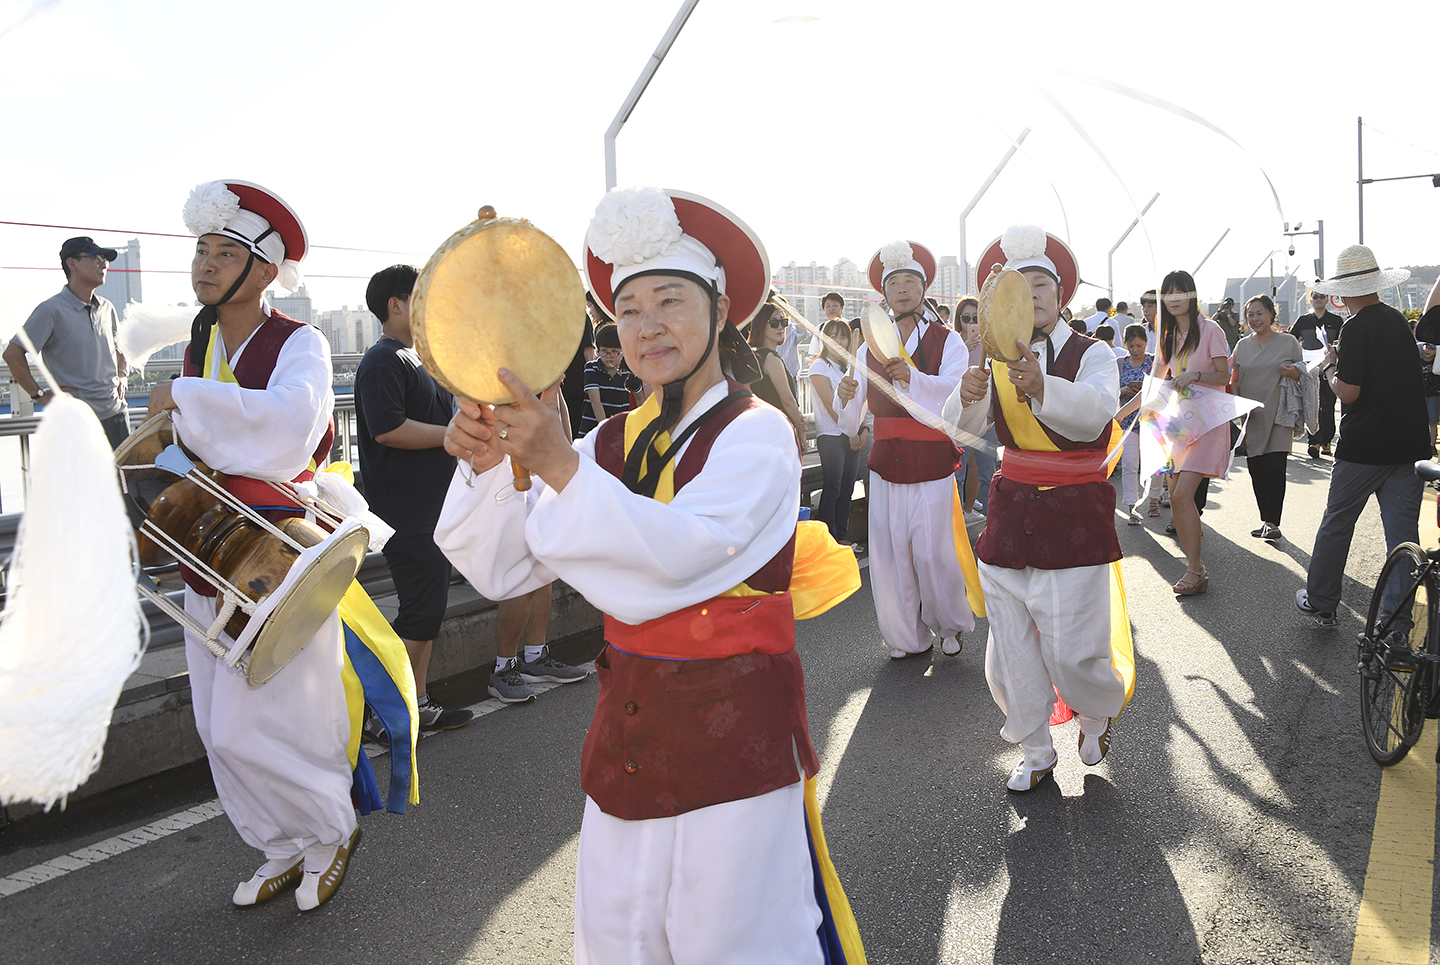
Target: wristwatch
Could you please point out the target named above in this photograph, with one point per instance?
(36, 396)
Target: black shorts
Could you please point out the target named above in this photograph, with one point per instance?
(422, 584)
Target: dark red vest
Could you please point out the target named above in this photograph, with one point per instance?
(910, 460)
(1049, 529)
(670, 736)
(257, 364)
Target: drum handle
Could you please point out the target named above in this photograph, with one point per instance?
(522, 477)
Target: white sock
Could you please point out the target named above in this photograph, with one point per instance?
(501, 663)
(532, 654)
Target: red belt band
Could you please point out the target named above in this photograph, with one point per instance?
(725, 626)
(904, 427)
(1051, 469)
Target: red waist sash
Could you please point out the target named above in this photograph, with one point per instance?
(904, 427)
(1051, 469)
(725, 626)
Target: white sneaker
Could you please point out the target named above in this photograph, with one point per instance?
(951, 646)
(1027, 775)
(973, 517)
(896, 653)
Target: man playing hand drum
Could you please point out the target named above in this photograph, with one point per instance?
(1049, 539)
(915, 545)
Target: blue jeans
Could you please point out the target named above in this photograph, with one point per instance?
(839, 465)
(1398, 491)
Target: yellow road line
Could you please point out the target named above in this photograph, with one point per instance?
(1394, 923)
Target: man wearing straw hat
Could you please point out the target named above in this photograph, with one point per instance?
(916, 546)
(1383, 427)
(1049, 552)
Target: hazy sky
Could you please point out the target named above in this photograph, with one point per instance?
(831, 126)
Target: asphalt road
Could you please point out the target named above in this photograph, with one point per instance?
(1230, 824)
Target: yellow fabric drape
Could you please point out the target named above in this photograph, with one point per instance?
(1027, 432)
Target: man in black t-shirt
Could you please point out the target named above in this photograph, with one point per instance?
(1427, 333)
(402, 413)
(1315, 331)
(1382, 429)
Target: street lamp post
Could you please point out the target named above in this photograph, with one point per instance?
(1110, 258)
(651, 65)
(964, 266)
(1361, 180)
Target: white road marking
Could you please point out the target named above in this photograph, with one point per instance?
(102, 850)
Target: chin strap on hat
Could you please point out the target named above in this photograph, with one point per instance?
(205, 321)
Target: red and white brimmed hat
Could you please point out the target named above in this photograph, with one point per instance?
(256, 217)
(1029, 246)
(901, 256)
(654, 231)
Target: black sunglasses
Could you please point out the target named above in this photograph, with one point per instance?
(776, 323)
(968, 319)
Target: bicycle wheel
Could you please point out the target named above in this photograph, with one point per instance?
(1397, 628)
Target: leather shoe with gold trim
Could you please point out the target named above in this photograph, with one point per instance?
(318, 887)
(269, 880)
(1027, 776)
(1094, 747)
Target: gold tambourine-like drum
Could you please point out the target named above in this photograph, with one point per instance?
(177, 518)
(1007, 313)
(498, 293)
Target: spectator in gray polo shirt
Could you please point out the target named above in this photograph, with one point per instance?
(75, 334)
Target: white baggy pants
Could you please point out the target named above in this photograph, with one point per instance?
(914, 573)
(277, 751)
(729, 884)
(1049, 631)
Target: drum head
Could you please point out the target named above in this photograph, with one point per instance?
(307, 605)
(497, 293)
(1007, 313)
(880, 334)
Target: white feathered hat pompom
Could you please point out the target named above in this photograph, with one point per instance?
(1023, 242)
(632, 225)
(210, 208)
(896, 255)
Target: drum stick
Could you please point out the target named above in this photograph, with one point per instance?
(522, 477)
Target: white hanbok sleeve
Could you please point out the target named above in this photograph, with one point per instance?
(1079, 410)
(633, 557)
(268, 433)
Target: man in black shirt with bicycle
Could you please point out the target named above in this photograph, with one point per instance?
(1383, 430)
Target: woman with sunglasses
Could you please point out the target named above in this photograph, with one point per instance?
(776, 385)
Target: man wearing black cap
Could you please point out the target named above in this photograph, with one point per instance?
(74, 332)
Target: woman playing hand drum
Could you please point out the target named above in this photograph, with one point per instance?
(678, 521)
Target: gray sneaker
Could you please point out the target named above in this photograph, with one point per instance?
(546, 669)
(508, 687)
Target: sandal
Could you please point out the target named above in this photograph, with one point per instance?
(1170, 528)
(1154, 509)
(1192, 583)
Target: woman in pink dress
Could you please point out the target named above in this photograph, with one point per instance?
(1192, 349)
